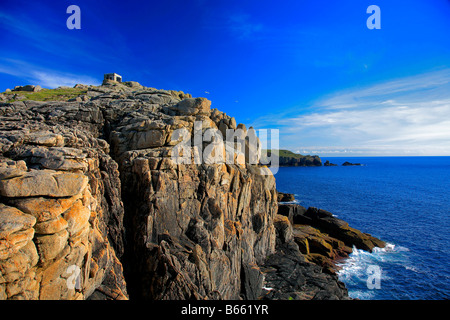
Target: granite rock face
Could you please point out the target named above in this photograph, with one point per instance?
(93, 205)
(54, 227)
(197, 231)
(61, 212)
(90, 188)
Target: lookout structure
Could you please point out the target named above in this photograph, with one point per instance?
(112, 77)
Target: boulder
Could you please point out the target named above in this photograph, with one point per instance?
(45, 209)
(51, 226)
(12, 169)
(44, 183)
(49, 246)
(294, 212)
(14, 242)
(58, 158)
(285, 197)
(28, 88)
(45, 138)
(13, 220)
(193, 106)
(283, 228)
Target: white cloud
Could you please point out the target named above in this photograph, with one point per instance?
(44, 77)
(52, 79)
(424, 87)
(409, 116)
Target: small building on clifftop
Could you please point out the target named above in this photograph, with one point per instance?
(112, 77)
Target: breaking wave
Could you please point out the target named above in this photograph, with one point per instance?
(362, 269)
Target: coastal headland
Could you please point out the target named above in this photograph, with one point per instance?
(92, 206)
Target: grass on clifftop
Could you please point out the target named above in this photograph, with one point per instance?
(58, 94)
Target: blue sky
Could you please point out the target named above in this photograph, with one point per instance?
(311, 69)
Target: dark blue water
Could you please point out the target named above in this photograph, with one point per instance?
(404, 201)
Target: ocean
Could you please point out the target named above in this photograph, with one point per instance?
(404, 201)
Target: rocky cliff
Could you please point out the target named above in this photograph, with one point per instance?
(92, 205)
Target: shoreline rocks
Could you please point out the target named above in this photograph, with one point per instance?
(324, 239)
(285, 197)
(288, 275)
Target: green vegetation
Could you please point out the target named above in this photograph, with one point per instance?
(59, 94)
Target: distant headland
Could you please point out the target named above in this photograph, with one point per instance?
(288, 158)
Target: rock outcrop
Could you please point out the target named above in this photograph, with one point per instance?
(288, 158)
(93, 205)
(346, 163)
(70, 170)
(285, 197)
(290, 275)
(324, 239)
(29, 88)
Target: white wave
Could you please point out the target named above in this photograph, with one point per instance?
(360, 294)
(290, 202)
(358, 267)
(412, 268)
(390, 247)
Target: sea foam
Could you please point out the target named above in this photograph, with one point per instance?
(355, 270)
